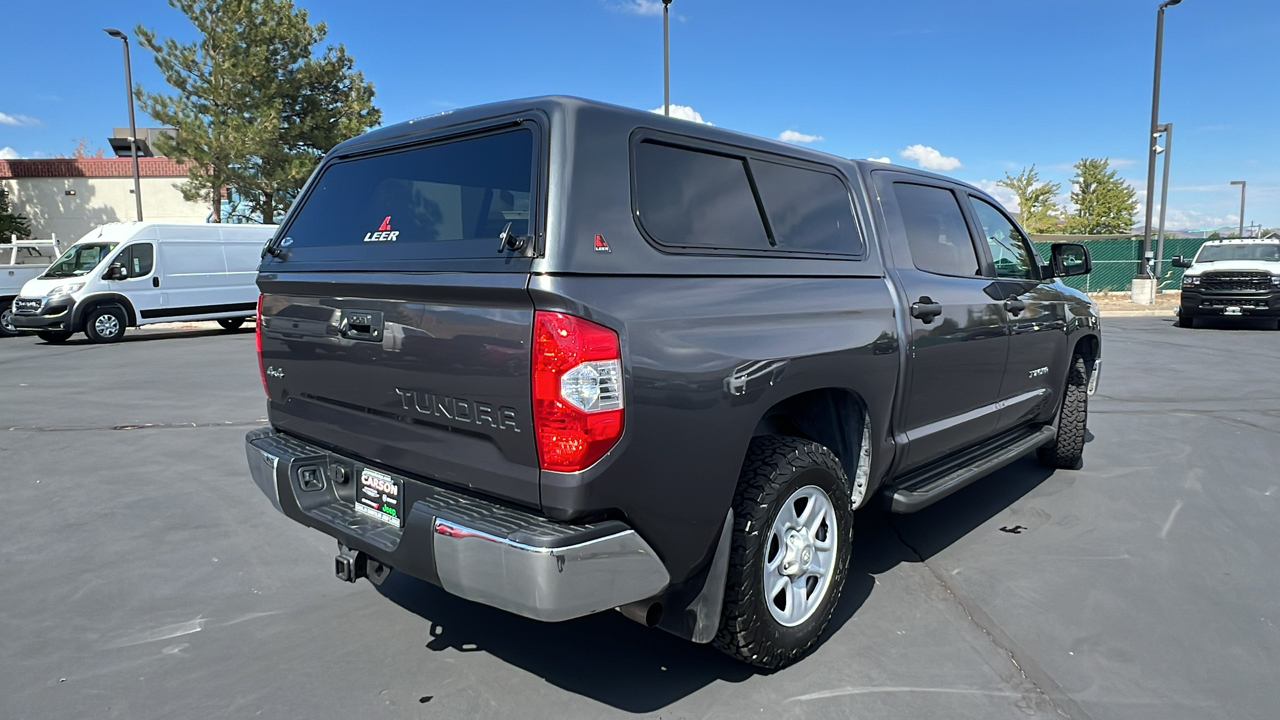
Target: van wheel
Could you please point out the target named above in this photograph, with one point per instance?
(105, 324)
(53, 338)
(792, 535)
(231, 323)
(6, 323)
(1067, 449)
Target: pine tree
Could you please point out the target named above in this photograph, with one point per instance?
(1105, 204)
(1038, 212)
(255, 106)
(11, 224)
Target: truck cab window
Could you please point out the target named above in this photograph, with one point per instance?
(936, 231)
(138, 259)
(1009, 248)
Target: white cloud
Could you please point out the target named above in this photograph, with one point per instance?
(792, 136)
(930, 159)
(1191, 220)
(17, 120)
(683, 112)
(8, 153)
(636, 7)
(1002, 194)
(884, 160)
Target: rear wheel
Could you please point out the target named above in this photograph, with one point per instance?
(231, 323)
(6, 323)
(53, 338)
(792, 532)
(105, 324)
(1067, 449)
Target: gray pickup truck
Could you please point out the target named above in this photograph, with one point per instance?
(561, 357)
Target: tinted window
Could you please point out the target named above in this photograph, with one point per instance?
(456, 196)
(808, 210)
(696, 199)
(138, 259)
(1009, 249)
(936, 231)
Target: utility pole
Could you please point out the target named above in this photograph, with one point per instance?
(133, 128)
(666, 58)
(1241, 184)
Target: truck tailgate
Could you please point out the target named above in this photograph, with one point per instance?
(428, 375)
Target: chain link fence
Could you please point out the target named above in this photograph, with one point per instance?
(1115, 260)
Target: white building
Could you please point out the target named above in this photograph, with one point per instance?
(71, 196)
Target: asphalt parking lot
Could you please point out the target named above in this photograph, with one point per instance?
(145, 576)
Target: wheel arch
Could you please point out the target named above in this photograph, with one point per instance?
(834, 417)
(93, 302)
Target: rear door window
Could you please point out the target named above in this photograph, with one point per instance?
(448, 200)
(936, 230)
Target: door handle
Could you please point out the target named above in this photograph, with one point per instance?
(925, 310)
(155, 282)
(1014, 306)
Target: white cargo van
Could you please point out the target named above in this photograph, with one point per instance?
(139, 273)
(19, 262)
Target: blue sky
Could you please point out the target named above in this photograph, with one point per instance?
(974, 89)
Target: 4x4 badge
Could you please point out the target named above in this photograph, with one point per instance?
(601, 245)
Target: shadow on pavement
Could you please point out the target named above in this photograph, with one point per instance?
(605, 656)
(143, 335)
(613, 660)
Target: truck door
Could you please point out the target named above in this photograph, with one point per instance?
(1037, 317)
(139, 259)
(958, 334)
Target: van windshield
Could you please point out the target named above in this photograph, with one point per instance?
(1240, 251)
(79, 259)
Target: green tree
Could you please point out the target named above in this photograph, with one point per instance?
(11, 224)
(1105, 204)
(256, 106)
(1037, 210)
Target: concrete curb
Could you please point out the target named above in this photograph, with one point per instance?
(1137, 313)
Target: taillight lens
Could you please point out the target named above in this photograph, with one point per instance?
(577, 391)
(257, 335)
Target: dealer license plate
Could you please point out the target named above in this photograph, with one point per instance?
(381, 497)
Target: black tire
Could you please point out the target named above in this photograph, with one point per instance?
(1185, 321)
(105, 324)
(1067, 449)
(231, 324)
(774, 469)
(6, 322)
(53, 338)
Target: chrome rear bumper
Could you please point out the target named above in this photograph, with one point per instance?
(493, 554)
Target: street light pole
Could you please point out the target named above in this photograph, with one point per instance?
(666, 58)
(1152, 131)
(1241, 184)
(133, 128)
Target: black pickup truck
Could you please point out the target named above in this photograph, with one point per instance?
(562, 357)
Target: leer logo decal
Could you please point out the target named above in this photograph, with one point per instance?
(384, 232)
(601, 244)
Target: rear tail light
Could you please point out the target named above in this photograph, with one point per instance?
(577, 391)
(257, 335)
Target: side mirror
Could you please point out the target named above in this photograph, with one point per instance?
(116, 271)
(1180, 262)
(1070, 259)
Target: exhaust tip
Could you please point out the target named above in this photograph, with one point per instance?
(646, 612)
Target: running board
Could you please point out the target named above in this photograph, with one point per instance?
(919, 490)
